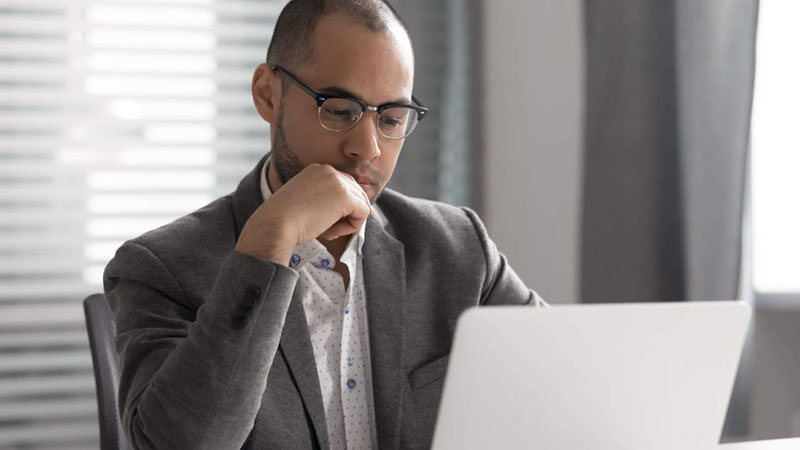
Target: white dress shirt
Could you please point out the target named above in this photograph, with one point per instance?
(337, 322)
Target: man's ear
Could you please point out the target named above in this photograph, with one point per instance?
(266, 90)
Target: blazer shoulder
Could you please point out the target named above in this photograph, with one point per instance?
(398, 207)
(180, 258)
(189, 248)
(209, 228)
(411, 218)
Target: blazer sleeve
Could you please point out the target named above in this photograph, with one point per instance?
(501, 284)
(194, 378)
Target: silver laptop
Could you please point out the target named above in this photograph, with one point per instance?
(602, 377)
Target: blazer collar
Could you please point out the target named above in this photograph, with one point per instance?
(296, 348)
(385, 284)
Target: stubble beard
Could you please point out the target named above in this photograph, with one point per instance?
(287, 164)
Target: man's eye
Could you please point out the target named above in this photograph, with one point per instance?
(340, 113)
(391, 121)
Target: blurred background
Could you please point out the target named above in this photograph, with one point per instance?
(618, 150)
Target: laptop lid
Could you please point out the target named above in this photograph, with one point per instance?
(623, 376)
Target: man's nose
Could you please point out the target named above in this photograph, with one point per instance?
(362, 140)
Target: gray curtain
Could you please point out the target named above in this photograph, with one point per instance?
(669, 92)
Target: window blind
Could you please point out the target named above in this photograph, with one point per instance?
(119, 116)
(115, 117)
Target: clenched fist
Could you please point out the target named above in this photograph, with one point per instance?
(320, 201)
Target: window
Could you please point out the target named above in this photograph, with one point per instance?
(117, 116)
(776, 151)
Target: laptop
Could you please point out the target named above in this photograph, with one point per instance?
(654, 376)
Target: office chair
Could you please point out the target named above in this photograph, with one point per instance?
(100, 326)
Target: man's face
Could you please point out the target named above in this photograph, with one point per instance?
(348, 59)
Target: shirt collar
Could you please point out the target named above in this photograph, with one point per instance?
(312, 250)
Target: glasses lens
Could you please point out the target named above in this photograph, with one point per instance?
(338, 114)
(397, 122)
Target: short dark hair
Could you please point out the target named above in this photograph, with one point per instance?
(291, 43)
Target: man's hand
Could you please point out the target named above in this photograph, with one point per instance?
(319, 201)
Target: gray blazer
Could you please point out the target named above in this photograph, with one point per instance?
(214, 346)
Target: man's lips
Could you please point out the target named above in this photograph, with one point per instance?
(363, 180)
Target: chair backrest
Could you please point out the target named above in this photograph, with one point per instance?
(100, 326)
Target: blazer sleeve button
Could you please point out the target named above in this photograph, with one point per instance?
(251, 296)
(239, 321)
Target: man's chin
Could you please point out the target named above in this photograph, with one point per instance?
(373, 197)
(371, 190)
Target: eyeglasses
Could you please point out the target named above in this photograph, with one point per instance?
(341, 112)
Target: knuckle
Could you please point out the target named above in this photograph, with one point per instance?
(329, 173)
(341, 185)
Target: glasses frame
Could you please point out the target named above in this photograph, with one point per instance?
(320, 98)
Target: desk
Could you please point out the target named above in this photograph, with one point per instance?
(772, 444)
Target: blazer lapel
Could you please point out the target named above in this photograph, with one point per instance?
(295, 342)
(296, 348)
(385, 283)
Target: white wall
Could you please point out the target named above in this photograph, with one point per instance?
(533, 110)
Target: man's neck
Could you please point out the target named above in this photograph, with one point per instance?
(337, 246)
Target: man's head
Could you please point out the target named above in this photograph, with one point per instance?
(355, 47)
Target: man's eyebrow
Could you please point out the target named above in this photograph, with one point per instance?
(336, 90)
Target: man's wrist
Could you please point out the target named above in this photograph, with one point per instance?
(275, 246)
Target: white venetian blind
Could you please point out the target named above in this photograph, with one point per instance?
(115, 117)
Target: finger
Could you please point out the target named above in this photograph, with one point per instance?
(362, 199)
(341, 228)
(352, 183)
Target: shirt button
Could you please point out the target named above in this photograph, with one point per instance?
(325, 262)
(351, 383)
(295, 259)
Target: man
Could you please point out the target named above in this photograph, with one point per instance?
(310, 308)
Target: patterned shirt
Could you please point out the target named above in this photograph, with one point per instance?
(337, 322)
